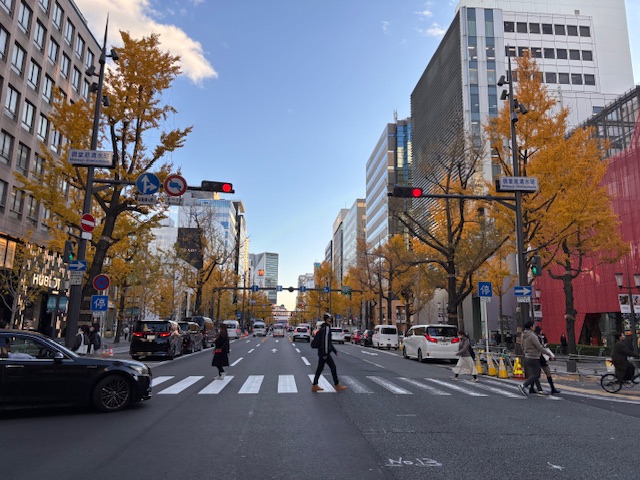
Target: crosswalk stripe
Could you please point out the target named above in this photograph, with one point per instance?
(216, 386)
(354, 385)
(181, 385)
(392, 387)
(287, 384)
(428, 388)
(506, 393)
(324, 384)
(159, 380)
(456, 387)
(306, 362)
(252, 384)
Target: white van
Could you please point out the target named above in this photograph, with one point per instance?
(259, 329)
(233, 328)
(431, 341)
(385, 336)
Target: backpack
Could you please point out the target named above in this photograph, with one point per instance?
(472, 353)
(317, 340)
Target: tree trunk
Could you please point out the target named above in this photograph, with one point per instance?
(570, 311)
(452, 305)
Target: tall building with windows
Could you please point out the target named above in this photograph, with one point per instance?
(264, 273)
(45, 46)
(354, 229)
(337, 243)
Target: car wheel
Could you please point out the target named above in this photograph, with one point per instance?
(404, 353)
(111, 394)
(420, 359)
(135, 357)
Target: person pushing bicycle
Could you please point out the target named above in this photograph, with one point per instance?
(624, 368)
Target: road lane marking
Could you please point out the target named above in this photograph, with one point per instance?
(298, 350)
(251, 350)
(456, 387)
(304, 359)
(252, 384)
(428, 388)
(181, 385)
(354, 385)
(379, 366)
(324, 384)
(495, 390)
(237, 362)
(216, 386)
(159, 380)
(392, 387)
(287, 384)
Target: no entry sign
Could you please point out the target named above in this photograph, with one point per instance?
(87, 222)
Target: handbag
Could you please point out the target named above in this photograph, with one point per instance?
(217, 350)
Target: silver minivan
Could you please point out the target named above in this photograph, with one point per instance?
(431, 341)
(385, 336)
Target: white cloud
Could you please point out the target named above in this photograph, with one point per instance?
(435, 30)
(385, 26)
(139, 19)
(425, 13)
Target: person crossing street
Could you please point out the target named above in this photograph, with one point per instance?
(322, 341)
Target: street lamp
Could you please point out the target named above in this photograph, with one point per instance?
(632, 313)
(516, 108)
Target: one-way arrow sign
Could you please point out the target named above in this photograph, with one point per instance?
(77, 266)
(523, 291)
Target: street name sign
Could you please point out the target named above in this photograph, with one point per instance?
(91, 158)
(147, 199)
(517, 184)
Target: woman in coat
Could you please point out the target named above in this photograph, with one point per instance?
(221, 352)
(465, 364)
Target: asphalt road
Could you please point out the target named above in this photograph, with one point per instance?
(399, 419)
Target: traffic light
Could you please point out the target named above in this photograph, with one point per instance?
(407, 192)
(224, 187)
(536, 266)
(69, 251)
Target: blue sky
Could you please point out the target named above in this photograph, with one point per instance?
(288, 99)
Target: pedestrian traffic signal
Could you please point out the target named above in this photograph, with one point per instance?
(536, 266)
(224, 187)
(407, 192)
(69, 251)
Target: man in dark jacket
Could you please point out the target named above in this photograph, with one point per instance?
(624, 369)
(325, 348)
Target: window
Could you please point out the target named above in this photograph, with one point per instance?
(574, 54)
(549, 53)
(38, 165)
(16, 203)
(488, 23)
(24, 17)
(54, 48)
(509, 27)
(587, 55)
(4, 42)
(561, 53)
(75, 79)
(534, 28)
(6, 5)
(69, 30)
(32, 208)
(58, 13)
(6, 147)
(576, 78)
(4, 187)
(585, 31)
(46, 214)
(65, 66)
(536, 52)
(572, 30)
(563, 78)
(56, 141)
(28, 116)
(550, 77)
(493, 100)
(44, 5)
(521, 27)
(521, 51)
(547, 29)
(89, 58)
(491, 72)
(559, 29)
(11, 103)
(597, 110)
(39, 35)
(472, 48)
(17, 59)
(490, 48)
(22, 158)
(473, 72)
(47, 89)
(85, 89)
(471, 22)
(510, 51)
(33, 79)
(589, 79)
(79, 47)
(43, 128)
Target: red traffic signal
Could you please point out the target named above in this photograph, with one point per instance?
(224, 187)
(407, 192)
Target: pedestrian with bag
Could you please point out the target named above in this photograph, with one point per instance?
(221, 352)
(533, 351)
(322, 341)
(95, 340)
(81, 341)
(543, 364)
(465, 363)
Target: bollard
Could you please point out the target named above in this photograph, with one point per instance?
(571, 366)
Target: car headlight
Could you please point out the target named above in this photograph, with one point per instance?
(141, 369)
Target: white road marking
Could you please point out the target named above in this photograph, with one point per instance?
(369, 353)
(252, 384)
(456, 387)
(354, 385)
(298, 350)
(251, 350)
(159, 380)
(430, 389)
(379, 366)
(216, 386)
(392, 387)
(237, 362)
(287, 384)
(304, 359)
(495, 390)
(274, 350)
(181, 385)
(324, 384)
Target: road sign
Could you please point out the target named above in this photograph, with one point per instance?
(148, 183)
(75, 277)
(278, 288)
(101, 282)
(255, 288)
(77, 266)
(326, 289)
(87, 222)
(517, 184)
(91, 158)
(346, 290)
(302, 289)
(485, 291)
(99, 303)
(175, 185)
(523, 291)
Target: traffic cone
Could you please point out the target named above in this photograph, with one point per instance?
(479, 365)
(517, 369)
(491, 367)
(502, 370)
(111, 351)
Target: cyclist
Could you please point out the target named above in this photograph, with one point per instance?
(624, 369)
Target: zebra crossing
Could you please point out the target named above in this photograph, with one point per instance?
(368, 385)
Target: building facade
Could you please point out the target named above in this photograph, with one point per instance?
(354, 231)
(264, 273)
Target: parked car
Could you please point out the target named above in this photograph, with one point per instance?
(385, 336)
(366, 339)
(156, 338)
(431, 341)
(193, 338)
(337, 335)
(37, 371)
(356, 335)
(302, 333)
(347, 334)
(207, 327)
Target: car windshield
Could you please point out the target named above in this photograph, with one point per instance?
(184, 326)
(152, 326)
(388, 331)
(442, 331)
(301, 329)
(336, 330)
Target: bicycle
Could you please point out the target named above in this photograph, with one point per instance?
(610, 383)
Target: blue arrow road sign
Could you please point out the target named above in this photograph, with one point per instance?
(302, 289)
(278, 288)
(326, 289)
(485, 289)
(525, 291)
(77, 266)
(99, 303)
(147, 183)
(255, 288)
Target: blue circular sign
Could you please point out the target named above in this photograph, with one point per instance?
(148, 183)
(101, 282)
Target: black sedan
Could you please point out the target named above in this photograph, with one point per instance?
(36, 371)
